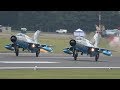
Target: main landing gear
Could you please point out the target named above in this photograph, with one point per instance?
(96, 57)
(75, 54)
(37, 52)
(16, 50)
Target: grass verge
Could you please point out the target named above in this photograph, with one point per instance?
(61, 74)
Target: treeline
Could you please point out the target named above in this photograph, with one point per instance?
(50, 21)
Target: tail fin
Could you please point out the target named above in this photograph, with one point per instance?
(96, 39)
(36, 35)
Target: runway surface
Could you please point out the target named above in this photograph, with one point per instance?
(28, 60)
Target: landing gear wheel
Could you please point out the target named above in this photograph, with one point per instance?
(96, 57)
(16, 50)
(37, 53)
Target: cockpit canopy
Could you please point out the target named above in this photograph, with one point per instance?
(20, 34)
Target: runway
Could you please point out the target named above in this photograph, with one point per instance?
(48, 61)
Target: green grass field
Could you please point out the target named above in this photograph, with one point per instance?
(61, 74)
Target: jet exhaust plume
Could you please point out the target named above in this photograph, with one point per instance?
(114, 42)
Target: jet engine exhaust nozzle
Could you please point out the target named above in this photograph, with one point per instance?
(13, 39)
(72, 42)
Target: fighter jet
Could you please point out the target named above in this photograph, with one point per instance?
(85, 46)
(25, 42)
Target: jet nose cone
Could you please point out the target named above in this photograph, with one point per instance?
(50, 50)
(6, 46)
(9, 47)
(106, 52)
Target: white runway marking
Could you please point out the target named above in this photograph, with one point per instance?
(59, 67)
(27, 62)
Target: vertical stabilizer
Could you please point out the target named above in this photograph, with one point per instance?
(36, 35)
(96, 39)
